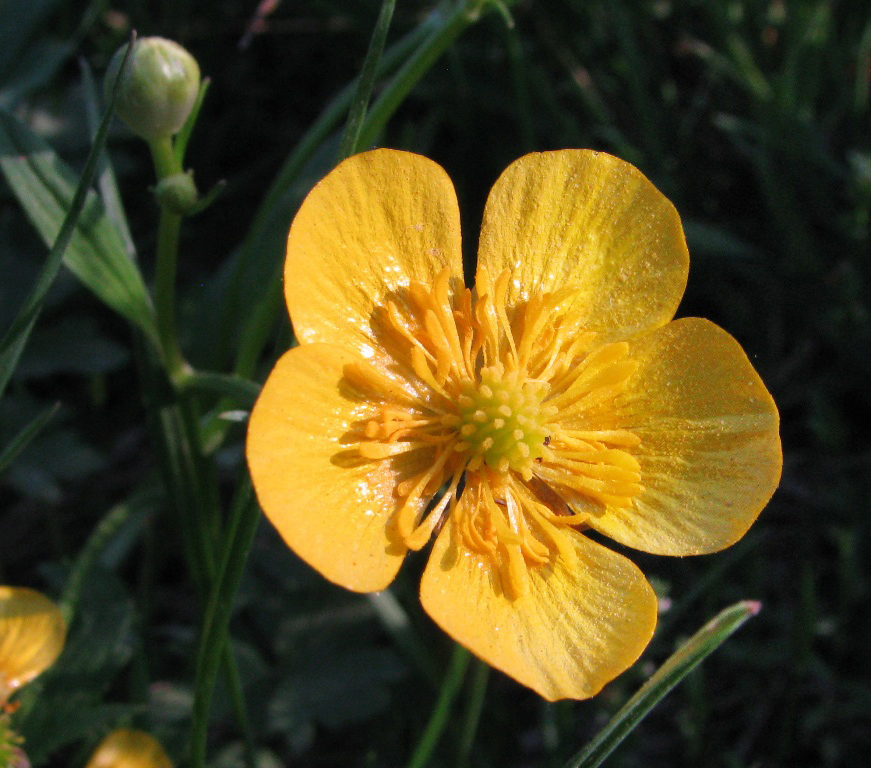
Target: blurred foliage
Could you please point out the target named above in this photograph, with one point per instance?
(753, 116)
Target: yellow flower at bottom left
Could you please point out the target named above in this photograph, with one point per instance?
(32, 635)
(127, 748)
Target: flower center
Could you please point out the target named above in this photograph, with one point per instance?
(508, 409)
(502, 421)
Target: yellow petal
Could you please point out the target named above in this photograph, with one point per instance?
(129, 749)
(566, 637)
(330, 505)
(586, 220)
(710, 450)
(32, 635)
(380, 220)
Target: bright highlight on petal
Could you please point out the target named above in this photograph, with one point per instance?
(504, 420)
(32, 636)
(127, 748)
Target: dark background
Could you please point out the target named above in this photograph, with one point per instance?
(751, 116)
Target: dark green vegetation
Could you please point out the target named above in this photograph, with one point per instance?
(753, 116)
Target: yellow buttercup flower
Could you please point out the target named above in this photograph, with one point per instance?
(32, 635)
(126, 748)
(557, 396)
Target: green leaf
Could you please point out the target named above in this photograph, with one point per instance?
(676, 668)
(366, 81)
(95, 253)
(107, 185)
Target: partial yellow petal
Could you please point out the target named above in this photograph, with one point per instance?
(566, 637)
(330, 505)
(710, 450)
(379, 221)
(126, 748)
(586, 220)
(32, 635)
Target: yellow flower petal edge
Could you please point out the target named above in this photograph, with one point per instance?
(127, 748)
(330, 506)
(32, 636)
(587, 221)
(574, 630)
(504, 420)
(377, 221)
(710, 452)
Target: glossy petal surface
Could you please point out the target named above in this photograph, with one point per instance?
(378, 221)
(586, 220)
(32, 636)
(330, 505)
(710, 450)
(127, 748)
(571, 633)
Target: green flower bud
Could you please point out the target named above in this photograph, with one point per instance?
(158, 89)
(178, 192)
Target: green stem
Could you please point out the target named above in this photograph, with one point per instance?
(163, 155)
(213, 646)
(166, 164)
(164, 293)
(439, 718)
(195, 489)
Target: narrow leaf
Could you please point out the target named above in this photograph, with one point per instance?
(676, 668)
(96, 254)
(351, 137)
(106, 181)
(71, 220)
(59, 229)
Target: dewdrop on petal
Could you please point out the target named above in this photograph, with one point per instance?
(158, 88)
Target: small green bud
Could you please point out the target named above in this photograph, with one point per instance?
(158, 89)
(178, 192)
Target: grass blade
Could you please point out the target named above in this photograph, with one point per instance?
(676, 668)
(351, 137)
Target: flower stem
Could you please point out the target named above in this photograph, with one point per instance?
(168, 230)
(214, 642)
(439, 718)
